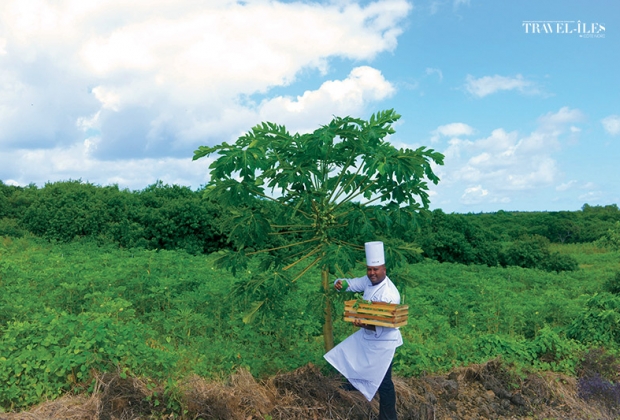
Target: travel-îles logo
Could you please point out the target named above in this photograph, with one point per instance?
(565, 27)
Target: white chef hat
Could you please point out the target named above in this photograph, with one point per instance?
(374, 254)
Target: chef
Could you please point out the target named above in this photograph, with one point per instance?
(365, 357)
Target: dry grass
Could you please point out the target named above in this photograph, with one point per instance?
(66, 408)
(485, 391)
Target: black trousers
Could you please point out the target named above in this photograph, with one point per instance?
(387, 397)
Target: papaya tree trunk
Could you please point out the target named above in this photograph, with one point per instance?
(328, 326)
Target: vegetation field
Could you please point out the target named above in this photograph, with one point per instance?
(102, 286)
(70, 311)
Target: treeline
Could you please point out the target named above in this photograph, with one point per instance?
(513, 238)
(172, 217)
(158, 217)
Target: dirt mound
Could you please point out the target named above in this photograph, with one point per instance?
(486, 391)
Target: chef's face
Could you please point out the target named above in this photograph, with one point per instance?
(376, 274)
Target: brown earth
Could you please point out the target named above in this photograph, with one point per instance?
(487, 391)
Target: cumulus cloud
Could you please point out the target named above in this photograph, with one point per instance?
(335, 97)
(554, 121)
(488, 85)
(303, 113)
(238, 48)
(77, 162)
(492, 167)
(611, 124)
(452, 130)
(152, 79)
(474, 195)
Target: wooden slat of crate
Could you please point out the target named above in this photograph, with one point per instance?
(376, 318)
(383, 313)
(376, 313)
(377, 323)
(376, 306)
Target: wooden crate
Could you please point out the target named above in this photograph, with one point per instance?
(376, 313)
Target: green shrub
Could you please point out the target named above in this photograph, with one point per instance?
(612, 285)
(10, 227)
(554, 352)
(559, 262)
(57, 352)
(490, 346)
(532, 251)
(599, 322)
(452, 238)
(611, 238)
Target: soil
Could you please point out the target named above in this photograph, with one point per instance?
(486, 391)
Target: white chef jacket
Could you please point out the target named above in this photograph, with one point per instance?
(365, 356)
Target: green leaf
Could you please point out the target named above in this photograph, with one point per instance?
(250, 315)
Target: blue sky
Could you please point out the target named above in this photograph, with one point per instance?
(522, 96)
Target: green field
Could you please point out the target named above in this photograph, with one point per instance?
(70, 311)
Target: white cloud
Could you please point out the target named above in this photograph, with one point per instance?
(163, 76)
(454, 130)
(506, 162)
(474, 195)
(345, 97)
(77, 162)
(241, 48)
(487, 85)
(451, 130)
(554, 121)
(566, 186)
(611, 124)
(340, 97)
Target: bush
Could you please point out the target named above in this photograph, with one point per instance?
(612, 285)
(559, 262)
(10, 227)
(553, 351)
(611, 239)
(532, 251)
(452, 238)
(599, 322)
(158, 217)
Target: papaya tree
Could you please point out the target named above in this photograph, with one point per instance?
(342, 181)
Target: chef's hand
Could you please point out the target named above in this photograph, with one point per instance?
(359, 324)
(338, 284)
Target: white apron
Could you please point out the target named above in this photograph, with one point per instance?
(364, 357)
